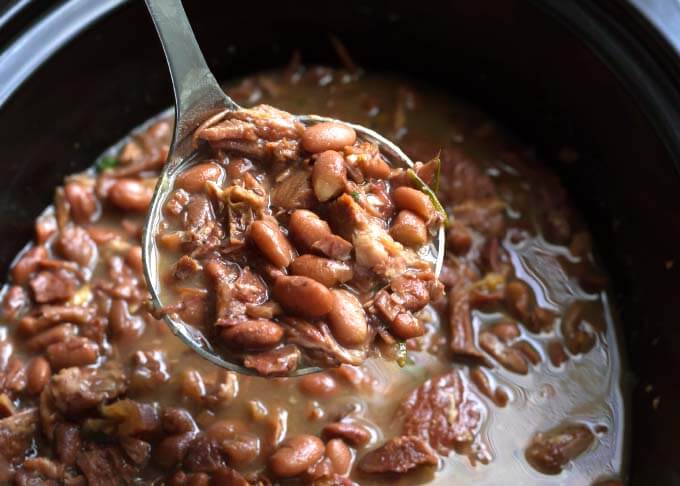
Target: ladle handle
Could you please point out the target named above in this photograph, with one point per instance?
(197, 93)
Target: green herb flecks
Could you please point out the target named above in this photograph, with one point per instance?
(421, 185)
(106, 162)
(356, 196)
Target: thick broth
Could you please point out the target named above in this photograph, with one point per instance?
(585, 389)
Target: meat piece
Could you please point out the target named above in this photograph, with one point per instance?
(75, 244)
(484, 215)
(203, 455)
(294, 191)
(460, 324)
(137, 450)
(67, 443)
(14, 302)
(399, 455)
(53, 286)
(149, 370)
(132, 417)
(550, 451)
(75, 390)
(185, 267)
(319, 342)
(278, 362)
(105, 466)
(461, 177)
(17, 432)
(442, 412)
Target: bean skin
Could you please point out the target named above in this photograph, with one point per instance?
(325, 271)
(327, 136)
(134, 259)
(254, 334)
(318, 385)
(306, 228)
(82, 201)
(339, 455)
(347, 319)
(268, 237)
(194, 179)
(28, 264)
(51, 336)
(406, 326)
(295, 455)
(75, 351)
(409, 229)
(375, 168)
(354, 434)
(303, 296)
(413, 200)
(518, 300)
(131, 195)
(550, 451)
(38, 374)
(329, 175)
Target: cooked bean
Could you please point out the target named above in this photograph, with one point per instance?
(414, 200)
(15, 301)
(38, 373)
(458, 238)
(194, 179)
(235, 441)
(27, 264)
(82, 201)
(327, 136)
(508, 357)
(506, 330)
(303, 296)
(329, 176)
(325, 271)
(340, 456)
(518, 299)
(50, 336)
(577, 339)
(268, 237)
(253, 334)
(550, 451)
(306, 228)
(74, 351)
(406, 326)
(556, 353)
(76, 245)
(134, 259)
(276, 362)
(172, 450)
(374, 167)
(318, 385)
(177, 420)
(295, 455)
(123, 325)
(409, 229)
(499, 396)
(529, 351)
(131, 195)
(67, 443)
(347, 319)
(353, 434)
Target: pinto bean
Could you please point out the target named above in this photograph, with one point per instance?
(556, 353)
(529, 351)
(318, 385)
(306, 228)
(325, 271)
(38, 373)
(409, 229)
(194, 178)
(133, 258)
(28, 263)
(327, 136)
(268, 237)
(177, 420)
(577, 339)
(407, 326)
(82, 201)
(339, 455)
(123, 325)
(347, 319)
(413, 200)
(374, 167)
(550, 451)
(458, 238)
(353, 434)
(172, 450)
(51, 336)
(518, 300)
(295, 455)
(303, 296)
(508, 357)
(76, 245)
(253, 334)
(74, 351)
(130, 195)
(329, 176)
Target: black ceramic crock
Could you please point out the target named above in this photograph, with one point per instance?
(601, 77)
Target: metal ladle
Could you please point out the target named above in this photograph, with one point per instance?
(197, 97)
